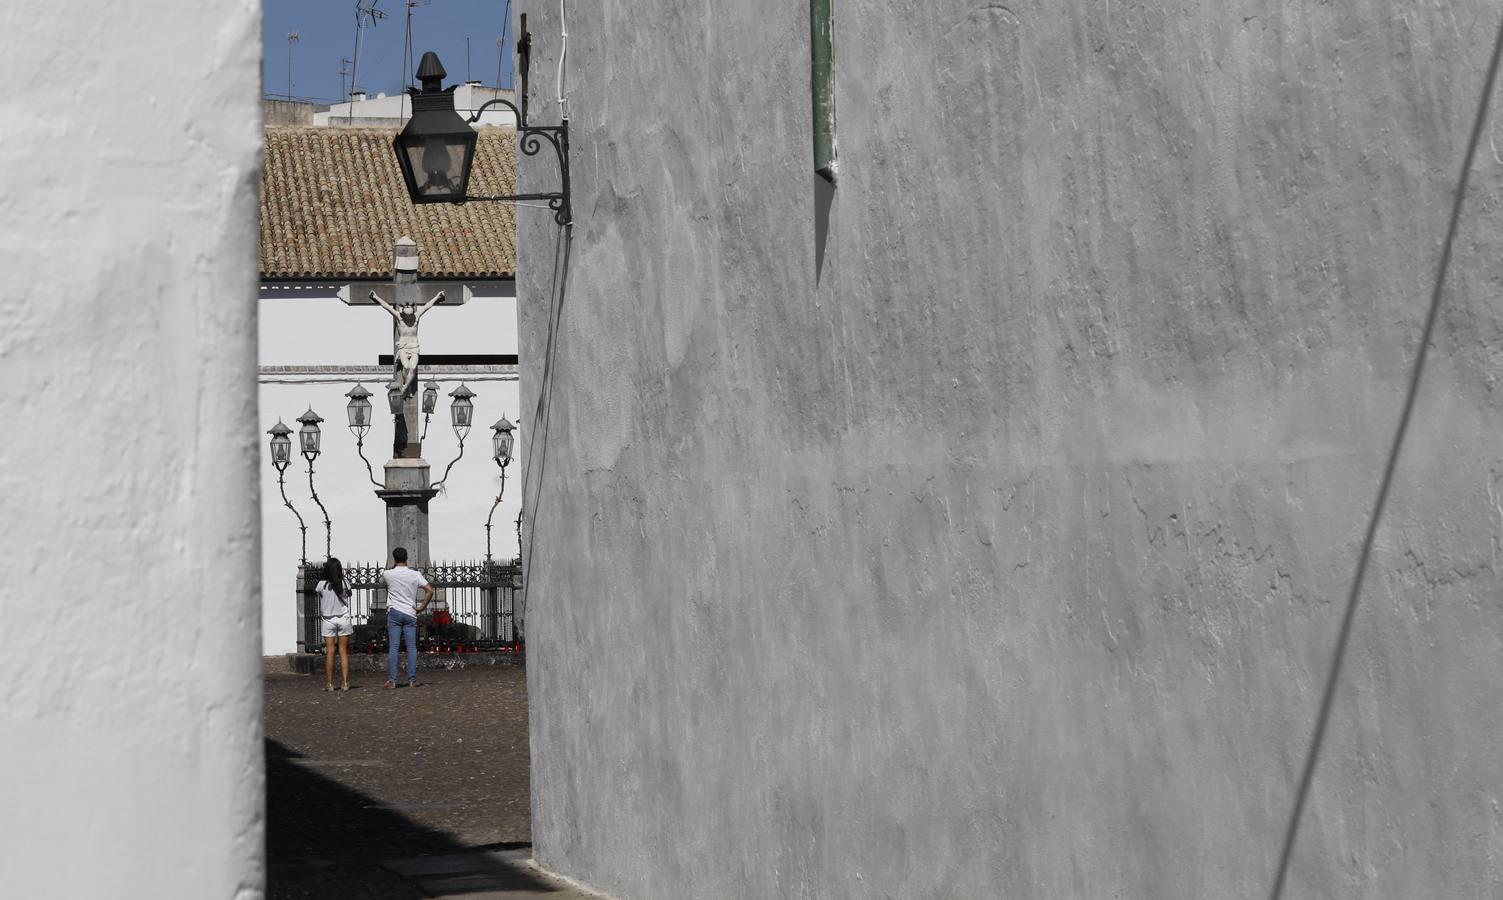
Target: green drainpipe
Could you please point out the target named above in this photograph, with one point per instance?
(822, 86)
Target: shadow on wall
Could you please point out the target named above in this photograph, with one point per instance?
(824, 198)
(325, 840)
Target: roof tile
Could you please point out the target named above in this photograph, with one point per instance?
(333, 203)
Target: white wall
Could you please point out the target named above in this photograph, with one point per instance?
(467, 99)
(309, 331)
(130, 724)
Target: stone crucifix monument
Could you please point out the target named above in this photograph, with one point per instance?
(406, 299)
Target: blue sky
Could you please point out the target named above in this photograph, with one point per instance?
(327, 35)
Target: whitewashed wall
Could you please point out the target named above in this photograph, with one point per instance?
(130, 724)
(308, 331)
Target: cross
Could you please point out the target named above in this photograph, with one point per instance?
(406, 299)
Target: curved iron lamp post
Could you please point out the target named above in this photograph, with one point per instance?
(501, 444)
(281, 458)
(436, 149)
(461, 415)
(309, 438)
(359, 412)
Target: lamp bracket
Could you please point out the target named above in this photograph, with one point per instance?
(531, 139)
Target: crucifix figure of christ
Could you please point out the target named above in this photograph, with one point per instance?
(406, 298)
(405, 339)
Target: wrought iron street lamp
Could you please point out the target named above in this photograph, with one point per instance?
(359, 409)
(461, 414)
(281, 458)
(501, 442)
(309, 438)
(430, 403)
(359, 412)
(501, 445)
(462, 410)
(436, 149)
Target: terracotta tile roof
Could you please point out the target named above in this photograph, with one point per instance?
(333, 203)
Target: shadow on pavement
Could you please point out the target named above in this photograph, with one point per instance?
(324, 839)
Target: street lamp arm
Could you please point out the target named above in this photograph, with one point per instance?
(475, 117)
(440, 482)
(369, 472)
(493, 514)
(328, 537)
(301, 525)
(531, 140)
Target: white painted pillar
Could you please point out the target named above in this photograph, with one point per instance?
(130, 697)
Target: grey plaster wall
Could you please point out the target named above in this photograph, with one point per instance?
(996, 547)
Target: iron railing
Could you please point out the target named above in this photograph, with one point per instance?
(475, 608)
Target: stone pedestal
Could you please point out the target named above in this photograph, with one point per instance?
(406, 497)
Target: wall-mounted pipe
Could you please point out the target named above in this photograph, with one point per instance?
(822, 86)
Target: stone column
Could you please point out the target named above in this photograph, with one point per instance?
(406, 496)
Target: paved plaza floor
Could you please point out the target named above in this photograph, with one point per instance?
(406, 793)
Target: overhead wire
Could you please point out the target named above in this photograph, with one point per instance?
(1322, 719)
(563, 54)
(537, 453)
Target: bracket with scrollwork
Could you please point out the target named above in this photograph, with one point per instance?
(530, 140)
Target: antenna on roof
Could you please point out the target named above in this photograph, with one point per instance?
(501, 42)
(344, 72)
(407, 67)
(292, 38)
(365, 14)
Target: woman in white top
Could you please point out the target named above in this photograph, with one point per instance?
(334, 608)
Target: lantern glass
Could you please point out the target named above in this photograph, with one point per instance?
(281, 448)
(309, 437)
(462, 411)
(502, 442)
(359, 410)
(430, 398)
(438, 162)
(394, 400)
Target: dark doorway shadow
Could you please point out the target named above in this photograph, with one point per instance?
(324, 839)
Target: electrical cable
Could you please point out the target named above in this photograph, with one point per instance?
(543, 412)
(1344, 635)
(563, 54)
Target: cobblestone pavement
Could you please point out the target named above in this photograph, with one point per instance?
(395, 794)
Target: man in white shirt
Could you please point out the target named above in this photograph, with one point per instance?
(402, 610)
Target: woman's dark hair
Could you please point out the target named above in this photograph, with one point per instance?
(334, 575)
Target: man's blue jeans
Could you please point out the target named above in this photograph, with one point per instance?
(400, 625)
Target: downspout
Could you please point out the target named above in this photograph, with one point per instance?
(822, 87)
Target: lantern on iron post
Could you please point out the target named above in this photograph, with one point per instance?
(501, 442)
(430, 403)
(309, 436)
(359, 412)
(462, 410)
(309, 439)
(501, 446)
(461, 414)
(281, 458)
